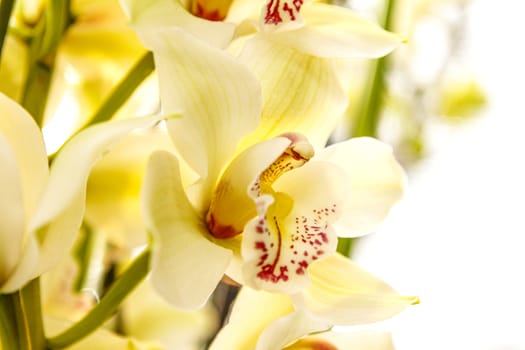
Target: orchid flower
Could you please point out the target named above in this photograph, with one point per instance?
(249, 212)
(350, 296)
(42, 208)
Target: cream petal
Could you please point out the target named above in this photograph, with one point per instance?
(337, 32)
(60, 209)
(12, 223)
(342, 293)
(364, 339)
(166, 13)
(293, 228)
(113, 190)
(281, 15)
(27, 267)
(301, 93)
(27, 144)
(220, 99)
(375, 183)
(252, 312)
(186, 266)
(288, 329)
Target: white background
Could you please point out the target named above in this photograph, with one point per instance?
(458, 238)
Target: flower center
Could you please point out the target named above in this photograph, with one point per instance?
(213, 10)
(231, 207)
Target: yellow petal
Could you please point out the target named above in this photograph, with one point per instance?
(375, 182)
(337, 32)
(147, 15)
(252, 312)
(219, 98)
(12, 224)
(301, 93)
(186, 266)
(61, 207)
(112, 203)
(342, 293)
(287, 329)
(25, 139)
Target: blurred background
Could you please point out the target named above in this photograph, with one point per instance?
(457, 237)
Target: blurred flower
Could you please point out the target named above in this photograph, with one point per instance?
(341, 293)
(113, 188)
(147, 317)
(13, 67)
(41, 209)
(95, 53)
(359, 340)
(461, 97)
(101, 339)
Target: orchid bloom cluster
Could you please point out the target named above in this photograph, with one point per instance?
(247, 192)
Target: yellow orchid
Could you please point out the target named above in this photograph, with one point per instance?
(42, 208)
(351, 296)
(247, 203)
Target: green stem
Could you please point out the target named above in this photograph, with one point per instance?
(21, 325)
(124, 89)
(49, 32)
(370, 115)
(369, 118)
(6, 7)
(135, 273)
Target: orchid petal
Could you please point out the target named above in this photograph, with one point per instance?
(300, 92)
(148, 317)
(12, 225)
(287, 329)
(186, 266)
(252, 312)
(61, 207)
(113, 190)
(375, 181)
(27, 144)
(293, 228)
(26, 269)
(146, 15)
(220, 99)
(337, 32)
(365, 339)
(342, 293)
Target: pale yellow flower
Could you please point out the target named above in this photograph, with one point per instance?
(340, 293)
(42, 208)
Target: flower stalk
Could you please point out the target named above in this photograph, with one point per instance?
(369, 118)
(6, 7)
(21, 325)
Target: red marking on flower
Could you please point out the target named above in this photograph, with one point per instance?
(261, 246)
(268, 272)
(274, 11)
